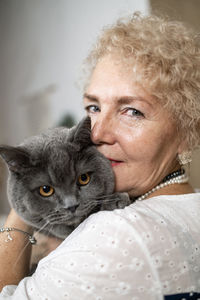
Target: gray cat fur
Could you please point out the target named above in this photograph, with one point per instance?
(56, 158)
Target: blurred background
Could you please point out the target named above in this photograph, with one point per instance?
(42, 46)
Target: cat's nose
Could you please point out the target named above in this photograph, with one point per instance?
(73, 208)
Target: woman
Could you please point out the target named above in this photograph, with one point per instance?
(143, 99)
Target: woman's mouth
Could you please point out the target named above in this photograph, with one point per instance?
(114, 162)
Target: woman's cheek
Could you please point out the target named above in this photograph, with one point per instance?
(132, 134)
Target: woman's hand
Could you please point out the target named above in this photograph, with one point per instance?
(14, 254)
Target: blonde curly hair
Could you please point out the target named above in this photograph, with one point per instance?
(165, 55)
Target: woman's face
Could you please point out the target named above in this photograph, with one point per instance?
(130, 128)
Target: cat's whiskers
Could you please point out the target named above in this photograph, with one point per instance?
(86, 209)
(88, 206)
(103, 199)
(58, 217)
(38, 219)
(41, 228)
(55, 213)
(48, 233)
(20, 255)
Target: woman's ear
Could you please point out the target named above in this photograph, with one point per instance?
(15, 158)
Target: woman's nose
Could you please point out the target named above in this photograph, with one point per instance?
(103, 131)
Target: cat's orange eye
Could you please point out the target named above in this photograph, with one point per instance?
(84, 179)
(46, 190)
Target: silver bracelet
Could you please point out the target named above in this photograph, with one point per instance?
(31, 238)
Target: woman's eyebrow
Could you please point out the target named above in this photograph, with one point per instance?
(90, 97)
(130, 99)
(119, 100)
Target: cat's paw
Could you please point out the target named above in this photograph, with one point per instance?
(116, 200)
(124, 200)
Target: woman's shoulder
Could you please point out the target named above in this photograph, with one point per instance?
(165, 210)
(155, 209)
(160, 218)
(159, 211)
(149, 220)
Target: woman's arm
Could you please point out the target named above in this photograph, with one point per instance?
(14, 254)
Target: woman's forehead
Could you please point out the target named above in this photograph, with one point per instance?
(111, 78)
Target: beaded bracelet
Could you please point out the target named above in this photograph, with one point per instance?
(31, 238)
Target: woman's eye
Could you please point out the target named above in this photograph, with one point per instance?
(134, 112)
(92, 109)
(46, 190)
(84, 179)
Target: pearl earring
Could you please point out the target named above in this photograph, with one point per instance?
(185, 158)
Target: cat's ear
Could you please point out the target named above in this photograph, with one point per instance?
(15, 158)
(82, 133)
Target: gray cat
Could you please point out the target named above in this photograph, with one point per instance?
(58, 178)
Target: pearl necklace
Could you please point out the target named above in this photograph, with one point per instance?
(183, 178)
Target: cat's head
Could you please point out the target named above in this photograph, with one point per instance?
(58, 178)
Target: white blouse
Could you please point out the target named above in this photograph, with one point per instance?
(144, 251)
